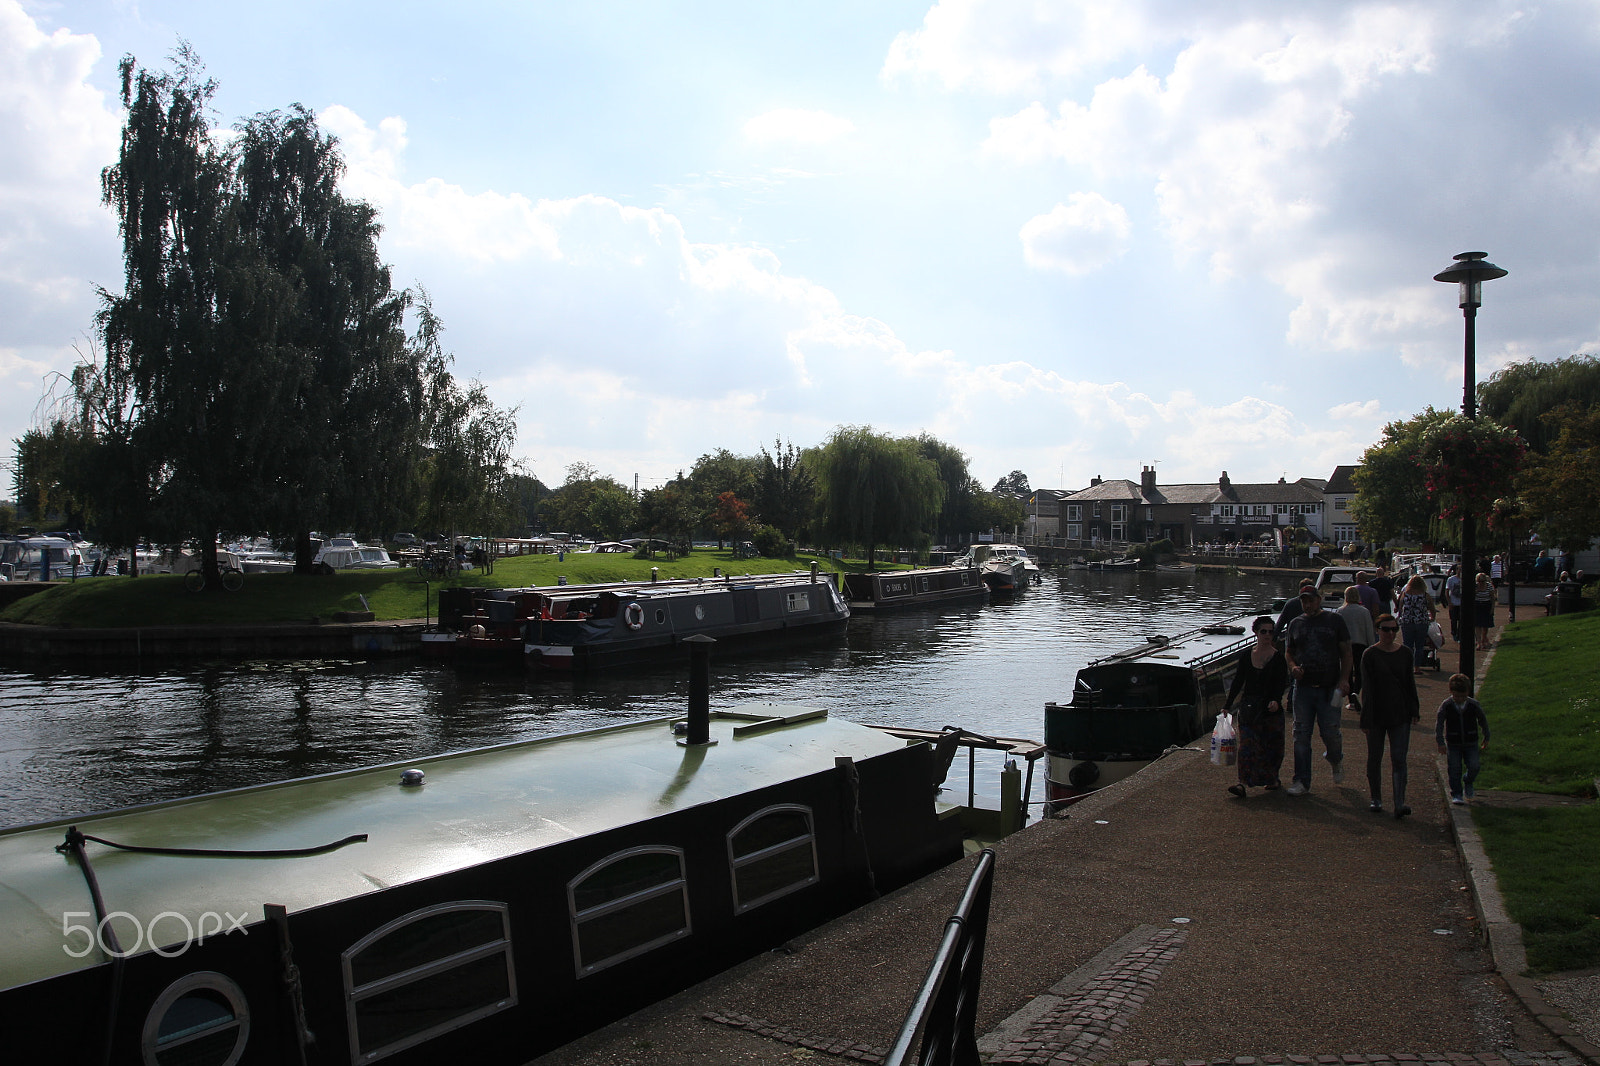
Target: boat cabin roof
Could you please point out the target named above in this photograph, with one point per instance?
(1188, 651)
(474, 807)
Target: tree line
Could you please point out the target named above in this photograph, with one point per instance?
(858, 489)
(1529, 465)
(258, 370)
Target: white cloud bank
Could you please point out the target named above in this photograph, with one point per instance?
(1340, 152)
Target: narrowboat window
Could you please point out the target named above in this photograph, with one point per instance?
(661, 616)
(427, 973)
(201, 1019)
(772, 853)
(799, 601)
(627, 904)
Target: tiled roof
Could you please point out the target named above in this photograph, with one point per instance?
(1341, 480)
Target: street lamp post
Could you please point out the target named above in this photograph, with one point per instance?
(1470, 270)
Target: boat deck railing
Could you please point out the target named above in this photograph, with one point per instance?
(1030, 751)
(945, 1009)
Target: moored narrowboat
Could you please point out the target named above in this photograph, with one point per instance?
(893, 589)
(484, 906)
(596, 630)
(1127, 709)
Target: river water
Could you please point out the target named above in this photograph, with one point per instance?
(79, 740)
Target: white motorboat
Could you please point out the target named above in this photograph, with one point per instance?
(1004, 567)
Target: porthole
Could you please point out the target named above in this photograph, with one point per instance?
(201, 1019)
(661, 616)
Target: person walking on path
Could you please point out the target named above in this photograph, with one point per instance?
(1452, 599)
(1368, 594)
(1416, 615)
(1258, 685)
(1388, 710)
(1317, 650)
(1461, 730)
(1483, 611)
(1383, 585)
(1358, 620)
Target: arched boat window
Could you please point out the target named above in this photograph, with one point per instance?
(771, 854)
(627, 904)
(427, 973)
(201, 1019)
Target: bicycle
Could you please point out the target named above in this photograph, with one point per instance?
(232, 579)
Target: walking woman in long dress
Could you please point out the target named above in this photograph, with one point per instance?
(1388, 708)
(1258, 685)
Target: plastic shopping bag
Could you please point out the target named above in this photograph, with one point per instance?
(1435, 635)
(1224, 742)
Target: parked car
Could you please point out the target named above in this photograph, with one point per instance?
(408, 540)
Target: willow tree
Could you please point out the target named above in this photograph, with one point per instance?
(875, 490)
(257, 355)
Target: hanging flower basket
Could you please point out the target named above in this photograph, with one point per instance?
(1468, 464)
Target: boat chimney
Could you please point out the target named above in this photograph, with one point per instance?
(699, 690)
(813, 571)
(654, 570)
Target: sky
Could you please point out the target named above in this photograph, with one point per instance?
(1069, 237)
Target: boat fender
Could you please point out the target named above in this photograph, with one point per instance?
(633, 614)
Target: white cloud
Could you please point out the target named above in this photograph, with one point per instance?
(56, 240)
(1077, 238)
(797, 126)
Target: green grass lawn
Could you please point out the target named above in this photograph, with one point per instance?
(1542, 696)
(160, 599)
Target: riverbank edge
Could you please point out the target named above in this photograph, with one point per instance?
(292, 640)
(1502, 933)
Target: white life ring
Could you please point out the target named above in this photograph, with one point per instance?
(633, 614)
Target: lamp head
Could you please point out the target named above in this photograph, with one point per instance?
(1470, 270)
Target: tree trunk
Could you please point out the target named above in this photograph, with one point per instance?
(208, 562)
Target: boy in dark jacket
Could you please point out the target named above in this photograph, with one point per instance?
(1462, 731)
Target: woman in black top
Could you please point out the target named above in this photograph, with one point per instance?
(1258, 685)
(1388, 707)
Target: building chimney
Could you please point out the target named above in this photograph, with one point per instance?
(1094, 481)
(1223, 483)
(1147, 480)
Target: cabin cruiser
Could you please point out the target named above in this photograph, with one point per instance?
(1003, 567)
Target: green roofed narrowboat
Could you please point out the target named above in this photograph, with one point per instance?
(1130, 707)
(480, 907)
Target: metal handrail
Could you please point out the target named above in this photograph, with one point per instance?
(945, 1009)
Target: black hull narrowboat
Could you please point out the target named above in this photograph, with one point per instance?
(1129, 708)
(892, 589)
(480, 907)
(645, 623)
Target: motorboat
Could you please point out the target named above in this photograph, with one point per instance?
(1003, 567)
(1128, 708)
(357, 557)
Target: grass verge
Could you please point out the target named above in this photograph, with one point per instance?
(160, 599)
(1544, 716)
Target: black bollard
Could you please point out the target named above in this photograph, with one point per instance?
(699, 689)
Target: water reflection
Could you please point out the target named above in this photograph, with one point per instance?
(73, 741)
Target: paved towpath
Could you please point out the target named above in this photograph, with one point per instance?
(1162, 921)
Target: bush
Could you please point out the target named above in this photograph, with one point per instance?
(771, 543)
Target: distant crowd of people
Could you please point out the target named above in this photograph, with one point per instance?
(1310, 663)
